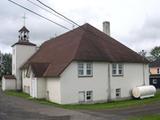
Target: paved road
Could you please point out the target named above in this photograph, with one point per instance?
(14, 108)
(10, 110)
(122, 113)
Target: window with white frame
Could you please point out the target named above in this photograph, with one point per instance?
(120, 69)
(117, 69)
(85, 69)
(118, 92)
(89, 95)
(114, 69)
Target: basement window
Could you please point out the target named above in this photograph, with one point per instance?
(118, 93)
(85, 69)
(117, 69)
(89, 95)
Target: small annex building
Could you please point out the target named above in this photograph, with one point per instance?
(79, 66)
(8, 82)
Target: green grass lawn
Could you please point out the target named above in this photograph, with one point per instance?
(146, 117)
(17, 93)
(113, 104)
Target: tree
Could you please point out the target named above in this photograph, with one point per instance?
(6, 65)
(155, 52)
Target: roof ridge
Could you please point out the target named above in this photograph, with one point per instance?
(55, 38)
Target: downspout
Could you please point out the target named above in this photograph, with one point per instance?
(21, 88)
(36, 81)
(109, 83)
(16, 83)
(144, 83)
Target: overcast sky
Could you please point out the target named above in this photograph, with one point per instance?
(135, 23)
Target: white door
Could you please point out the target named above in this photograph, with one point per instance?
(81, 96)
(34, 88)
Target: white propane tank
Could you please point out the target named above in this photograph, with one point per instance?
(143, 91)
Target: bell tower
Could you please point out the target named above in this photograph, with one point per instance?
(22, 50)
(23, 34)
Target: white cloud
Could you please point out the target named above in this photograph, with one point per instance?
(133, 22)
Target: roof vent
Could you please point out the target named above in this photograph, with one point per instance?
(106, 27)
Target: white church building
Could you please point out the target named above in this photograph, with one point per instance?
(82, 65)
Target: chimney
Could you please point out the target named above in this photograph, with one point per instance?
(106, 27)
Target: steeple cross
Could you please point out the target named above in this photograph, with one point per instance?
(24, 19)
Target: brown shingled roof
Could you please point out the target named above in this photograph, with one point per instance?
(24, 43)
(39, 68)
(84, 43)
(23, 29)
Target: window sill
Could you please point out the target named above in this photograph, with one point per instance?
(89, 101)
(117, 75)
(85, 76)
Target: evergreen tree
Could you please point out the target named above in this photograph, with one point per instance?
(6, 65)
(155, 52)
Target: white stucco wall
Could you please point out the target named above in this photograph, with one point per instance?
(26, 82)
(66, 88)
(133, 77)
(41, 88)
(53, 88)
(21, 53)
(8, 84)
(71, 84)
(29, 83)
